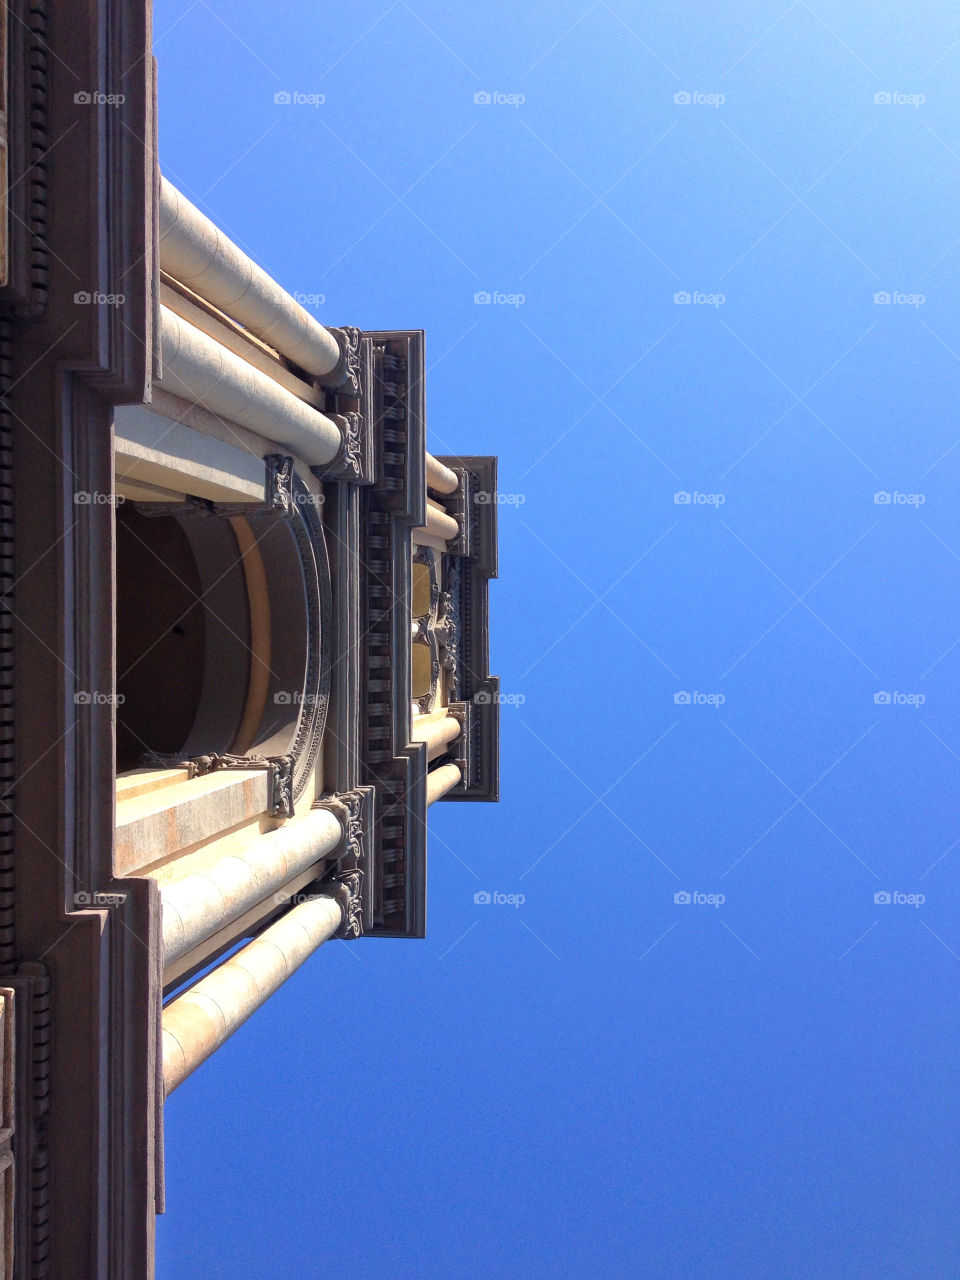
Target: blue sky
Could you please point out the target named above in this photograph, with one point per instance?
(749, 695)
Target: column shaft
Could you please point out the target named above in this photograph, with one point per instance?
(442, 780)
(201, 895)
(440, 478)
(208, 1013)
(196, 367)
(439, 524)
(436, 731)
(199, 255)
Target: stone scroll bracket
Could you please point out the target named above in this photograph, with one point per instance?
(355, 462)
(347, 887)
(356, 812)
(350, 403)
(347, 378)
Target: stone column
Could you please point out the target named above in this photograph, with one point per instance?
(196, 367)
(440, 478)
(442, 780)
(201, 895)
(439, 524)
(199, 255)
(200, 1020)
(436, 731)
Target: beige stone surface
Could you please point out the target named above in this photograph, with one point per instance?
(139, 782)
(150, 827)
(151, 448)
(198, 312)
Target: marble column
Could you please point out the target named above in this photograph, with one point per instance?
(202, 893)
(199, 255)
(440, 478)
(197, 367)
(439, 524)
(441, 780)
(196, 1023)
(436, 731)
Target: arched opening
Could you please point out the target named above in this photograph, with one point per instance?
(220, 634)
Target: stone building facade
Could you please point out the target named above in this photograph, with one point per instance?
(243, 643)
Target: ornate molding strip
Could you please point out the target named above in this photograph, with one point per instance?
(26, 49)
(475, 505)
(7, 716)
(460, 504)
(281, 773)
(31, 984)
(391, 507)
(447, 629)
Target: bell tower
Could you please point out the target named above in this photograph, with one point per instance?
(244, 644)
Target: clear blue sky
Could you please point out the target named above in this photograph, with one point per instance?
(603, 1081)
